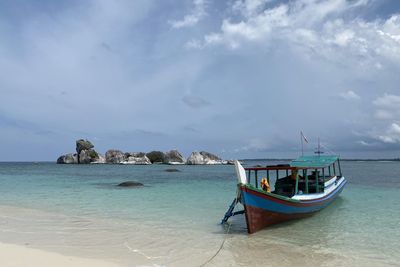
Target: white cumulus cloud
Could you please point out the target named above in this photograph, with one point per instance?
(191, 19)
(392, 134)
(388, 101)
(388, 107)
(387, 111)
(249, 7)
(349, 95)
(320, 27)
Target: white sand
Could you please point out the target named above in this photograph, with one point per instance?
(21, 256)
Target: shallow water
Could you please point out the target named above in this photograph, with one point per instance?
(173, 220)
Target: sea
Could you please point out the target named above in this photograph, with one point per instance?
(174, 219)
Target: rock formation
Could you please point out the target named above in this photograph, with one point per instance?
(82, 144)
(173, 157)
(68, 159)
(101, 159)
(136, 158)
(204, 158)
(156, 156)
(86, 154)
(115, 156)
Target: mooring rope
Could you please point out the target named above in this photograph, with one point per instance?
(329, 150)
(126, 244)
(220, 248)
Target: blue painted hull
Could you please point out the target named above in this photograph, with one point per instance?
(263, 209)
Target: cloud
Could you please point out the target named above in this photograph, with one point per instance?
(386, 116)
(255, 144)
(344, 38)
(388, 101)
(349, 95)
(324, 28)
(195, 101)
(321, 34)
(392, 134)
(256, 28)
(249, 7)
(189, 20)
(191, 129)
(382, 114)
(363, 143)
(388, 107)
(258, 72)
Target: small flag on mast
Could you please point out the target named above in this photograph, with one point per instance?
(302, 135)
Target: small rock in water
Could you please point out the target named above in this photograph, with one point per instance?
(130, 184)
(172, 170)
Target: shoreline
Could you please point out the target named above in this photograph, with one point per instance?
(59, 239)
(18, 255)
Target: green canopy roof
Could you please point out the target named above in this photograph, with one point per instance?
(313, 161)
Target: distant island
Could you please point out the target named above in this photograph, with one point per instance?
(85, 154)
(341, 159)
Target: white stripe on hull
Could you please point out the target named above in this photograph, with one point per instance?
(328, 189)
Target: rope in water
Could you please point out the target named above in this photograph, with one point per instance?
(220, 248)
(126, 244)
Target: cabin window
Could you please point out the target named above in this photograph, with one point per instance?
(286, 180)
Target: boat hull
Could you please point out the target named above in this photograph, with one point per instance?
(263, 209)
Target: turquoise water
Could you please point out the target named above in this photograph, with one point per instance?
(173, 220)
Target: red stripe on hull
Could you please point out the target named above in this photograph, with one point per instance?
(258, 219)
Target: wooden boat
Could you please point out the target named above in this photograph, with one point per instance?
(297, 190)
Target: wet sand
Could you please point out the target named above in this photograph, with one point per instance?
(15, 256)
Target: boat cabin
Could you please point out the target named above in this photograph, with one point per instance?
(304, 175)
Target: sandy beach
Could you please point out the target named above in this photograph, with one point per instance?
(55, 239)
(21, 256)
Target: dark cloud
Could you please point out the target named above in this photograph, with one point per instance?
(191, 129)
(195, 102)
(106, 46)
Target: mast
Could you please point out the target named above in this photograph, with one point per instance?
(319, 152)
(301, 140)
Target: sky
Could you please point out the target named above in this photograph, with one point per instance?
(238, 78)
